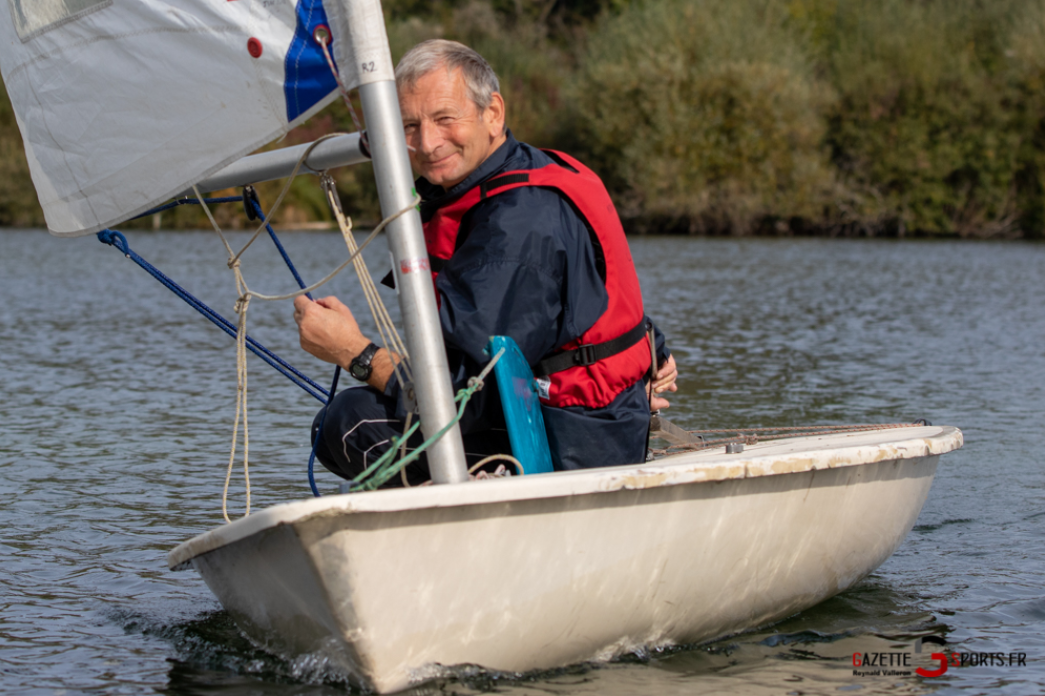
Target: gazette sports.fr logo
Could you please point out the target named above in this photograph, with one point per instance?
(898, 664)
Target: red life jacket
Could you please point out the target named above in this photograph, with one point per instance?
(610, 356)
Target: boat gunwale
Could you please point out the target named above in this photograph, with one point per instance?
(765, 458)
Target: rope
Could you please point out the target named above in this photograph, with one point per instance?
(245, 293)
(319, 433)
(325, 396)
(241, 367)
(119, 241)
(497, 457)
(279, 199)
(186, 201)
(256, 207)
(241, 407)
(323, 38)
(385, 326)
(377, 230)
(378, 473)
(243, 304)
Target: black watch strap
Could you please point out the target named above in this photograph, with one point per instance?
(360, 367)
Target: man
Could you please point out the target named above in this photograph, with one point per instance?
(525, 244)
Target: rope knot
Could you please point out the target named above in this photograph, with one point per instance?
(116, 239)
(242, 302)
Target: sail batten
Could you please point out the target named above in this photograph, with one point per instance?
(125, 104)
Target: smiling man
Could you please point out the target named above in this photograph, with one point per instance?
(525, 243)
(448, 134)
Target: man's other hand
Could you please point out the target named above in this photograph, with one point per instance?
(665, 381)
(328, 330)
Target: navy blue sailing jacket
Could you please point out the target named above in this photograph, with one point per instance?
(527, 269)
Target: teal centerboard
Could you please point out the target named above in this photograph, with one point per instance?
(522, 408)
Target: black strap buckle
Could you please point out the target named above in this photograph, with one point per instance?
(585, 355)
(589, 353)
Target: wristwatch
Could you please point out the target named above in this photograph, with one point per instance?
(360, 367)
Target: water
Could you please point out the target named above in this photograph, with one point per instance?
(116, 417)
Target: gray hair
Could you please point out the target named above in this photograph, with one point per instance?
(479, 78)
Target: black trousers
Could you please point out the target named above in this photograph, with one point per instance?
(360, 424)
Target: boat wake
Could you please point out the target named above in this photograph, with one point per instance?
(810, 648)
(211, 648)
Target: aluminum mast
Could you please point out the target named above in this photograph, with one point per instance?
(424, 334)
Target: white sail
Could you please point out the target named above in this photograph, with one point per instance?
(125, 103)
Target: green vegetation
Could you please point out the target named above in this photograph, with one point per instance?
(18, 206)
(704, 116)
(872, 117)
(927, 127)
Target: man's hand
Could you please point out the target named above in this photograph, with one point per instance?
(665, 381)
(328, 330)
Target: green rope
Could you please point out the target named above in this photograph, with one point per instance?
(375, 475)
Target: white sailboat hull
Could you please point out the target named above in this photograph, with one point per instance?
(543, 571)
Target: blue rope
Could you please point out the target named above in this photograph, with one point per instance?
(187, 201)
(116, 239)
(275, 240)
(319, 433)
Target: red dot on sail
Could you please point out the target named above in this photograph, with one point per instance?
(254, 47)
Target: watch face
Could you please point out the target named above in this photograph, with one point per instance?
(360, 368)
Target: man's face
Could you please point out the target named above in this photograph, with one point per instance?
(448, 136)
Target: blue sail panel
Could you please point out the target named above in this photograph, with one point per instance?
(308, 77)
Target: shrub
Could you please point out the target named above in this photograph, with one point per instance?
(704, 115)
(1027, 69)
(923, 127)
